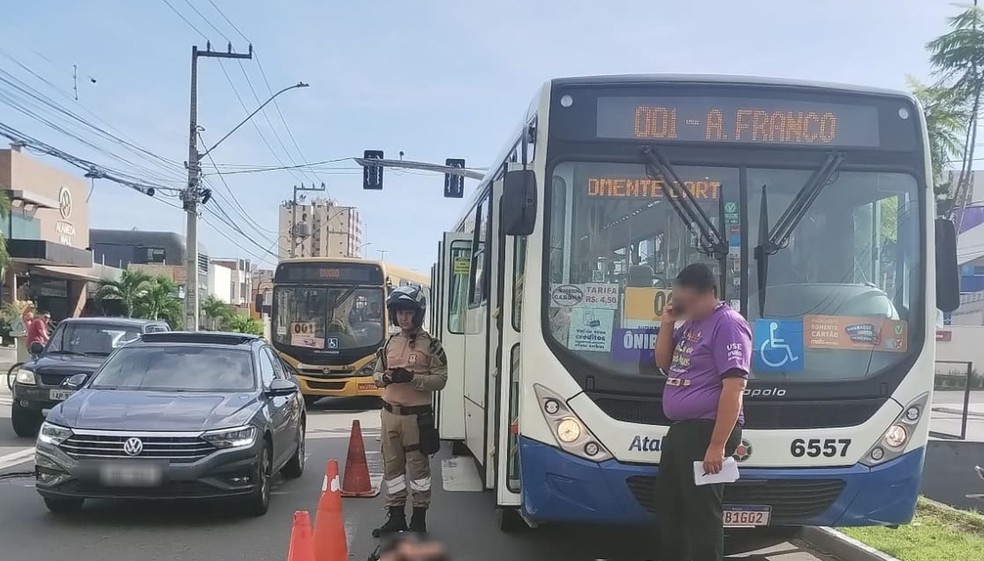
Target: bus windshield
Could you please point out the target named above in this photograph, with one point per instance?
(840, 292)
(328, 318)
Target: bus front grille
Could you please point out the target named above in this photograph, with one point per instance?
(326, 385)
(792, 500)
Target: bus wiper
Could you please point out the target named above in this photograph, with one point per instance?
(710, 240)
(339, 301)
(770, 243)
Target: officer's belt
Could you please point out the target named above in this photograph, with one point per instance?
(406, 410)
(677, 382)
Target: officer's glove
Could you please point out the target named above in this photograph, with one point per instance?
(401, 375)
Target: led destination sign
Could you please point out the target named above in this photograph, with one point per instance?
(737, 120)
(319, 272)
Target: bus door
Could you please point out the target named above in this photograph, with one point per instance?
(507, 374)
(434, 317)
(490, 243)
(455, 262)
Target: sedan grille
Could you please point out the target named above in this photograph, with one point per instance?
(174, 449)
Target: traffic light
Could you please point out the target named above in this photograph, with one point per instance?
(372, 175)
(454, 185)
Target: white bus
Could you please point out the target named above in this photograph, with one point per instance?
(813, 202)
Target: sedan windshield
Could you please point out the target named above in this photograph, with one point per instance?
(92, 339)
(177, 368)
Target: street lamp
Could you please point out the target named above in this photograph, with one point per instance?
(255, 111)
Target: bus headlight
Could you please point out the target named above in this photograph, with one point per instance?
(569, 432)
(894, 440)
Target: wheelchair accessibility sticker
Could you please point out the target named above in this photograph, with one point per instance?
(778, 345)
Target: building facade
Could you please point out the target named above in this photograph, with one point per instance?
(321, 228)
(159, 254)
(240, 279)
(47, 233)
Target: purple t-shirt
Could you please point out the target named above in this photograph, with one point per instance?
(705, 350)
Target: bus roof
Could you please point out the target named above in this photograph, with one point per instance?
(389, 269)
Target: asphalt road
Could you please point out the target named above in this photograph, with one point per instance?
(215, 531)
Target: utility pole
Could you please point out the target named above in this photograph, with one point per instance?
(295, 232)
(192, 194)
(382, 254)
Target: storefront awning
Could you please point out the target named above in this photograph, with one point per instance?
(94, 274)
(31, 198)
(42, 252)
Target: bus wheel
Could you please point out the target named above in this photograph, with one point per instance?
(509, 520)
(310, 400)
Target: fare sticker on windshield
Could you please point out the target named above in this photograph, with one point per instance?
(302, 335)
(856, 333)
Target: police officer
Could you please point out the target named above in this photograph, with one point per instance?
(411, 366)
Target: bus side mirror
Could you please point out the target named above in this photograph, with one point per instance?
(517, 209)
(947, 272)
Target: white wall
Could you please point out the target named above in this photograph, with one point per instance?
(966, 344)
(220, 282)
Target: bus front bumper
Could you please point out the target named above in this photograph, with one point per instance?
(339, 387)
(560, 487)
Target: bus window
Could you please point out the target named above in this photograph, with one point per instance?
(458, 286)
(519, 276)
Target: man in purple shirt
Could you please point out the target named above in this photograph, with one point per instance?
(707, 361)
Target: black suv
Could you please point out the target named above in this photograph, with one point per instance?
(78, 346)
(175, 415)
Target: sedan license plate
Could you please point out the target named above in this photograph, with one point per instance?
(137, 474)
(60, 395)
(367, 387)
(746, 516)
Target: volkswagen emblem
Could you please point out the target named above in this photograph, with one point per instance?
(133, 446)
(743, 451)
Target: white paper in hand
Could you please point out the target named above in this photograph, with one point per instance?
(728, 473)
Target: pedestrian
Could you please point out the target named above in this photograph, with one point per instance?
(411, 366)
(37, 331)
(707, 361)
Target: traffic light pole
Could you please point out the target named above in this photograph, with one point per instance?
(425, 166)
(192, 195)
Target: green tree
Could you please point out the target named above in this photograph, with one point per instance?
(127, 290)
(4, 213)
(945, 119)
(957, 58)
(216, 312)
(158, 301)
(245, 324)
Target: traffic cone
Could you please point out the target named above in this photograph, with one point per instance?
(329, 527)
(301, 546)
(356, 481)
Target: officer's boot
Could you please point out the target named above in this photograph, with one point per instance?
(396, 521)
(418, 521)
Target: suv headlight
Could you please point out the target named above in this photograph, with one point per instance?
(239, 437)
(894, 440)
(569, 432)
(25, 377)
(53, 434)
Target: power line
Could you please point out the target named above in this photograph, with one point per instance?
(229, 21)
(244, 214)
(208, 21)
(180, 15)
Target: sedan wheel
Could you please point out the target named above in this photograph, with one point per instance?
(259, 501)
(295, 467)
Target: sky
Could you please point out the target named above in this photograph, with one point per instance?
(434, 79)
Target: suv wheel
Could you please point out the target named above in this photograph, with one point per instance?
(63, 506)
(259, 502)
(295, 467)
(26, 422)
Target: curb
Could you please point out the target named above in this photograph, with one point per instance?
(952, 411)
(844, 547)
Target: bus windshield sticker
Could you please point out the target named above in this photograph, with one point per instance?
(738, 120)
(778, 345)
(857, 333)
(634, 345)
(590, 295)
(643, 306)
(591, 329)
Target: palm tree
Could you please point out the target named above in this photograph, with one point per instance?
(945, 119)
(215, 311)
(127, 290)
(157, 301)
(957, 58)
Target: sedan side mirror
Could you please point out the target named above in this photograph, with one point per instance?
(76, 381)
(281, 388)
(37, 348)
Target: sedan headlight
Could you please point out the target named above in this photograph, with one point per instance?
(26, 377)
(239, 437)
(53, 434)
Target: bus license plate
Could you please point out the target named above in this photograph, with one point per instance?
(367, 387)
(746, 516)
(60, 395)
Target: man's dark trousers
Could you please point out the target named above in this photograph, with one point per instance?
(690, 516)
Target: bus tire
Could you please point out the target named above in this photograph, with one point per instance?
(509, 520)
(459, 448)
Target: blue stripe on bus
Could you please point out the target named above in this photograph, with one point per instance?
(559, 487)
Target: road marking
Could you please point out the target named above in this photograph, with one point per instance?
(460, 475)
(16, 458)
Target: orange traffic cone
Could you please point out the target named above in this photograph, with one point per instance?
(301, 546)
(329, 527)
(356, 481)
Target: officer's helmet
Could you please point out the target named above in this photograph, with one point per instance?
(407, 298)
